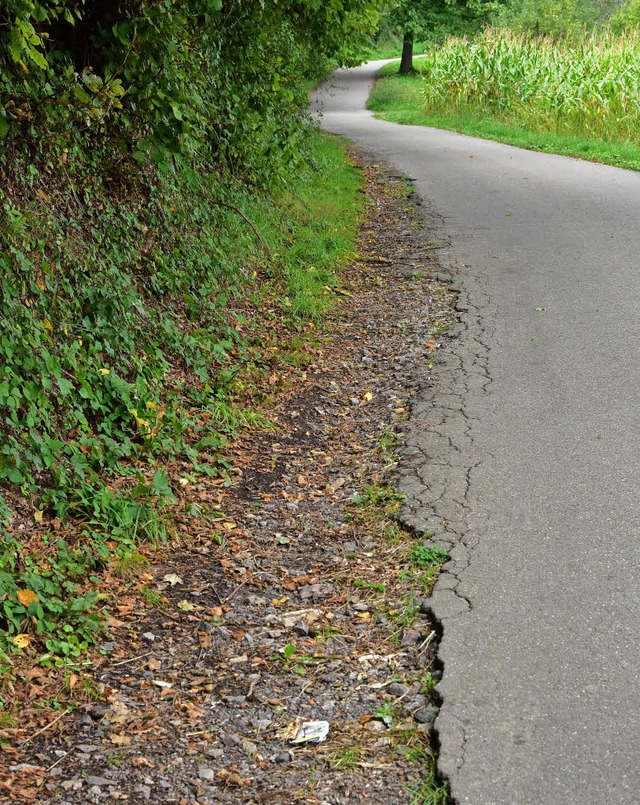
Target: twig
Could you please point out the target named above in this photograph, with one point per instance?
(244, 217)
(133, 659)
(425, 645)
(238, 588)
(45, 728)
(59, 760)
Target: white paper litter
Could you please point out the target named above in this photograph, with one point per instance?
(311, 732)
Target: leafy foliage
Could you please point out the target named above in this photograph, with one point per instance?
(151, 150)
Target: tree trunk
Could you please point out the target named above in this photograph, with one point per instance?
(406, 62)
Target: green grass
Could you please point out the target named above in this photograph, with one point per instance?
(587, 111)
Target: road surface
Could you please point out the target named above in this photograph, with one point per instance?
(524, 459)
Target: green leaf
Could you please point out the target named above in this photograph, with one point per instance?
(65, 386)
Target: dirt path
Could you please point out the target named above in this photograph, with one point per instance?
(304, 604)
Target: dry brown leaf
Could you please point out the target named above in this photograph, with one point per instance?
(120, 739)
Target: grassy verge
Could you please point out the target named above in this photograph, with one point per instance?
(400, 99)
(144, 327)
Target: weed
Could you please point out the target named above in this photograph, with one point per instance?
(407, 613)
(152, 597)
(386, 713)
(370, 586)
(423, 556)
(427, 683)
(429, 791)
(130, 565)
(346, 758)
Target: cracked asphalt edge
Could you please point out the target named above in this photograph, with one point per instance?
(438, 460)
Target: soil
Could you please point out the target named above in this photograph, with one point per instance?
(305, 601)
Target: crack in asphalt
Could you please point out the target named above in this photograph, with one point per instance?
(437, 468)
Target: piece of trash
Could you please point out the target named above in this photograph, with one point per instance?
(311, 732)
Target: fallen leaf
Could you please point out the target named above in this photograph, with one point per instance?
(26, 597)
(38, 516)
(172, 579)
(186, 606)
(120, 739)
(21, 641)
(142, 761)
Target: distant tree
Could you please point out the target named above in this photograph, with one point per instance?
(433, 20)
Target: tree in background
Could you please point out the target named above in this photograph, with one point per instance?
(432, 20)
(556, 17)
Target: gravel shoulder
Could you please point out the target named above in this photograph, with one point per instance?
(307, 602)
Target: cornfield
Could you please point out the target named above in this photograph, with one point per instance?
(588, 88)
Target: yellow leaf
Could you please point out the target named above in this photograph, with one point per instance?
(43, 195)
(47, 325)
(367, 397)
(37, 516)
(279, 601)
(186, 606)
(21, 641)
(151, 406)
(26, 597)
(105, 372)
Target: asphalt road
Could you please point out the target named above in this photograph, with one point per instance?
(525, 459)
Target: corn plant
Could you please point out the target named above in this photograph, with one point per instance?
(587, 88)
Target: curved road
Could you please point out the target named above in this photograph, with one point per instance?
(525, 461)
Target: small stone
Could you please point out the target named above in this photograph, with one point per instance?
(410, 637)
(99, 781)
(397, 689)
(215, 754)
(148, 637)
(87, 748)
(425, 715)
(301, 628)
(143, 790)
(283, 757)
(206, 774)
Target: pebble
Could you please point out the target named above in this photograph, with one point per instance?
(99, 781)
(283, 757)
(410, 637)
(148, 637)
(425, 715)
(206, 774)
(397, 689)
(143, 790)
